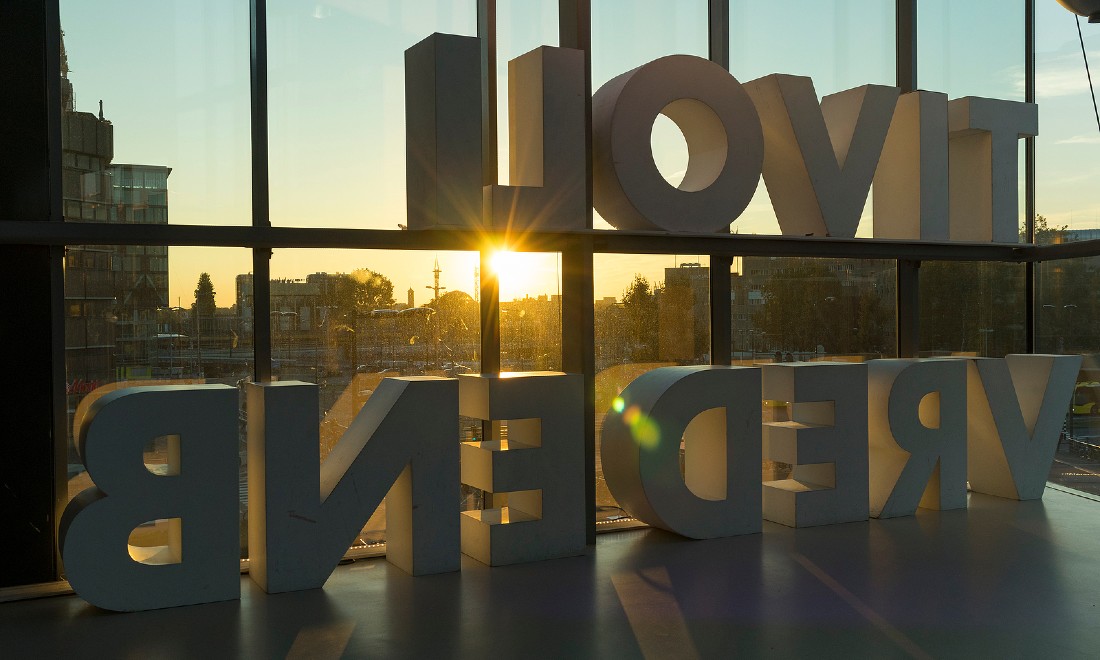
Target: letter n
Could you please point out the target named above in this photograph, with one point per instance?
(301, 521)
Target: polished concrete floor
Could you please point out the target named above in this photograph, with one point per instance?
(1001, 579)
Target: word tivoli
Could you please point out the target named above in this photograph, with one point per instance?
(875, 439)
(941, 170)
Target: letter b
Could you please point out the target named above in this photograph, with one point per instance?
(201, 562)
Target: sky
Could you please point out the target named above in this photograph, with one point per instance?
(174, 79)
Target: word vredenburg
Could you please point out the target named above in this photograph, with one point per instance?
(875, 439)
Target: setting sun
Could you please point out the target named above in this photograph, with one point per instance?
(525, 273)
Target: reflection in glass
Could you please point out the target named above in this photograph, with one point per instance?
(165, 85)
(661, 318)
(1067, 320)
(128, 325)
(393, 314)
(969, 308)
(793, 309)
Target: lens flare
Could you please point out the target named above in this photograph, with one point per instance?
(643, 430)
(618, 404)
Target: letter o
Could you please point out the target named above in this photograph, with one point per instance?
(724, 139)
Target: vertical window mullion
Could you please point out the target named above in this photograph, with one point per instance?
(261, 211)
(1029, 175)
(907, 270)
(721, 321)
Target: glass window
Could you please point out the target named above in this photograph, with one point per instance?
(840, 44)
(530, 310)
(1067, 312)
(650, 312)
(1068, 321)
(522, 26)
(337, 106)
(127, 327)
(647, 312)
(346, 319)
(972, 308)
(793, 309)
(1067, 167)
(183, 104)
(956, 58)
(626, 35)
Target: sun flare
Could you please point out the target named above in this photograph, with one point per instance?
(525, 273)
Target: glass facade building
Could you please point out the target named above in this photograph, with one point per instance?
(278, 132)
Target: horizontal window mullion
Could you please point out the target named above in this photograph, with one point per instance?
(605, 241)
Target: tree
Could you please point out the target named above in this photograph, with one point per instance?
(640, 310)
(204, 306)
(359, 292)
(1044, 233)
(350, 296)
(371, 290)
(972, 307)
(458, 317)
(803, 307)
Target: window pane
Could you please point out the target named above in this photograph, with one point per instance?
(1067, 319)
(1067, 198)
(346, 319)
(969, 308)
(181, 108)
(793, 309)
(626, 35)
(128, 324)
(650, 311)
(522, 26)
(530, 310)
(993, 55)
(959, 60)
(840, 44)
(337, 106)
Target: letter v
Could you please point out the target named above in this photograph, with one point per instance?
(1017, 405)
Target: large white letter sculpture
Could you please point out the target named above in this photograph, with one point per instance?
(301, 521)
(538, 464)
(722, 130)
(916, 415)
(715, 412)
(547, 151)
(201, 562)
(911, 183)
(443, 132)
(820, 159)
(984, 166)
(825, 443)
(1017, 406)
